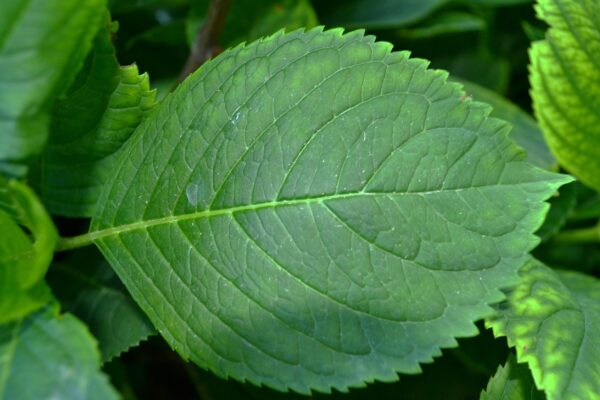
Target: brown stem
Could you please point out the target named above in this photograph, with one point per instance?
(207, 37)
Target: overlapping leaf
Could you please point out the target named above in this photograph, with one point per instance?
(512, 382)
(87, 287)
(553, 319)
(27, 241)
(104, 106)
(50, 356)
(42, 45)
(565, 80)
(314, 211)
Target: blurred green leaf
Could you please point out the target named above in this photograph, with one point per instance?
(88, 287)
(443, 24)
(42, 46)
(375, 14)
(50, 356)
(27, 241)
(89, 125)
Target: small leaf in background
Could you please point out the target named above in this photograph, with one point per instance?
(552, 318)
(443, 24)
(237, 216)
(50, 356)
(27, 241)
(525, 131)
(565, 80)
(42, 45)
(512, 382)
(375, 14)
(89, 125)
(87, 287)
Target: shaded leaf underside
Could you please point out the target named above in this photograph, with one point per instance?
(314, 211)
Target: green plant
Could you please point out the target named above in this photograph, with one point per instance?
(310, 211)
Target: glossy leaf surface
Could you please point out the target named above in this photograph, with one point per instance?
(281, 216)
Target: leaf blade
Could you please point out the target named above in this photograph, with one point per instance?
(253, 208)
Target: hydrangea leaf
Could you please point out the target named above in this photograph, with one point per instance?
(24, 255)
(87, 287)
(512, 382)
(525, 131)
(50, 356)
(552, 318)
(565, 80)
(42, 44)
(315, 211)
(102, 109)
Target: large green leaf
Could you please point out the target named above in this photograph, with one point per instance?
(87, 287)
(103, 107)
(315, 211)
(525, 131)
(42, 46)
(50, 356)
(24, 254)
(553, 319)
(512, 382)
(565, 80)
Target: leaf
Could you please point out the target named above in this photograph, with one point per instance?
(50, 356)
(87, 287)
(552, 318)
(102, 109)
(23, 259)
(525, 131)
(561, 207)
(315, 211)
(42, 45)
(443, 24)
(376, 15)
(512, 382)
(565, 80)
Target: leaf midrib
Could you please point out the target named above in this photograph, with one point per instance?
(99, 234)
